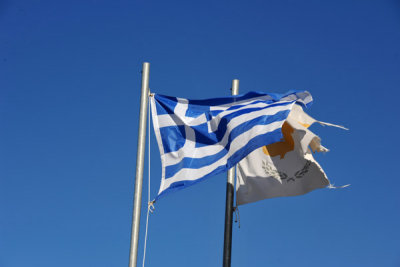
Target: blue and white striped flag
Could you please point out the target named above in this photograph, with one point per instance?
(200, 138)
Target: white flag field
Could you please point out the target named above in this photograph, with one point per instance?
(285, 168)
(265, 134)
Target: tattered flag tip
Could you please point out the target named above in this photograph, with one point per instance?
(331, 186)
(333, 125)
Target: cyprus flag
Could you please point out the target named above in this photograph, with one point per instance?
(285, 168)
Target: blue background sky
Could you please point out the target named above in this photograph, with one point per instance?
(69, 97)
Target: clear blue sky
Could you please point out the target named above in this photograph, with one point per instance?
(69, 95)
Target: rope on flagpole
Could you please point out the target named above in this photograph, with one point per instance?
(150, 206)
(236, 209)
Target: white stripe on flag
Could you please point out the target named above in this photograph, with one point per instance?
(187, 174)
(188, 149)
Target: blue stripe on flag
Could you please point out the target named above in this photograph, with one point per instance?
(165, 104)
(196, 163)
(274, 136)
(230, 99)
(203, 137)
(223, 125)
(194, 111)
(173, 137)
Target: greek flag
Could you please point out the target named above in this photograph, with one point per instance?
(201, 138)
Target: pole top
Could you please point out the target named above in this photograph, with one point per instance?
(235, 87)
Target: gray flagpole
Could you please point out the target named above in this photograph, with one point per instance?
(229, 202)
(139, 165)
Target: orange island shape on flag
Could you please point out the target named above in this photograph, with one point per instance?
(282, 147)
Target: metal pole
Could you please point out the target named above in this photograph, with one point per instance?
(139, 165)
(229, 202)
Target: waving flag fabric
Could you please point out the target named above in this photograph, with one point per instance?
(200, 138)
(285, 168)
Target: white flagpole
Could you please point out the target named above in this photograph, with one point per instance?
(229, 202)
(139, 165)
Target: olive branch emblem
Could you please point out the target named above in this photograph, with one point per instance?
(270, 170)
(304, 170)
